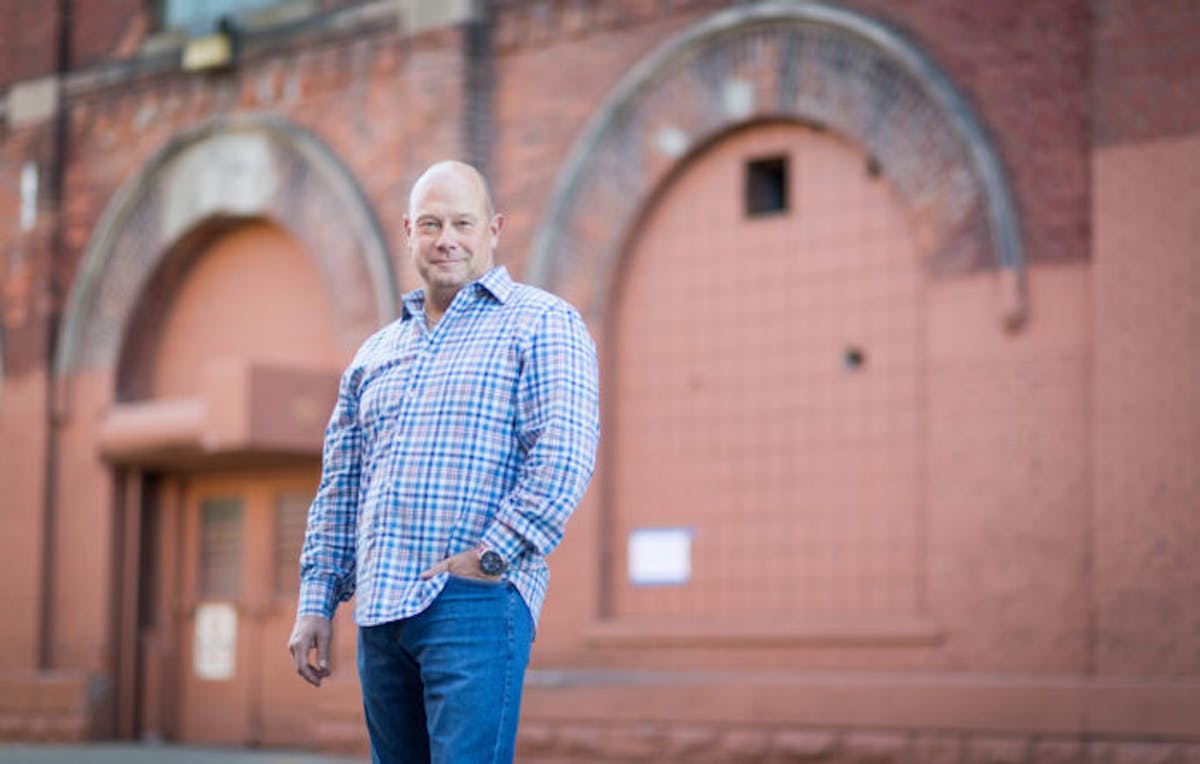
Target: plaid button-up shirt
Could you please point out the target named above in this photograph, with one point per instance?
(483, 428)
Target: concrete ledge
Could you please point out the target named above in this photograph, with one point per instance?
(643, 632)
(1067, 705)
(241, 407)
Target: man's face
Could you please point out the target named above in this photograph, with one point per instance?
(451, 237)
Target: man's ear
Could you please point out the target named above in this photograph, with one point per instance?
(407, 226)
(494, 227)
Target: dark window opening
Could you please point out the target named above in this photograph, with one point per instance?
(766, 186)
(221, 548)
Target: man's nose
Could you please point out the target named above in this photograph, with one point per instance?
(445, 241)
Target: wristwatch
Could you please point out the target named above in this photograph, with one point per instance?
(490, 561)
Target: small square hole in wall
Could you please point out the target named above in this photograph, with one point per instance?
(766, 186)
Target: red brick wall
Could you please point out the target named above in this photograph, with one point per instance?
(25, 288)
(108, 30)
(542, 56)
(26, 303)
(1022, 66)
(1145, 69)
(114, 132)
(1147, 407)
(386, 109)
(29, 30)
(1146, 116)
(22, 464)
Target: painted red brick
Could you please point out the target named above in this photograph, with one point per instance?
(29, 29)
(1146, 70)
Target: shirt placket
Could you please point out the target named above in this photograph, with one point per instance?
(410, 392)
(413, 399)
(429, 340)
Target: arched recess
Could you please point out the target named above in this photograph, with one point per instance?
(206, 306)
(787, 449)
(242, 166)
(808, 62)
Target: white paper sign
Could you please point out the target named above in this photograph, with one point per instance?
(214, 649)
(660, 556)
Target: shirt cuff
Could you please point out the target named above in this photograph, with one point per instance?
(504, 541)
(318, 598)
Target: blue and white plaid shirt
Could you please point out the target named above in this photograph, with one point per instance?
(481, 429)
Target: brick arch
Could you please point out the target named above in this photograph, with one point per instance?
(821, 65)
(245, 166)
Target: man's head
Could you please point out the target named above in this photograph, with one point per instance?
(452, 228)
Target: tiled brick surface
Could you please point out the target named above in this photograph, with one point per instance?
(219, 314)
(1147, 408)
(734, 409)
(23, 426)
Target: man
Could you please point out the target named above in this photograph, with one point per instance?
(463, 437)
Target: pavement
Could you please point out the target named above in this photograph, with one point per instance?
(129, 753)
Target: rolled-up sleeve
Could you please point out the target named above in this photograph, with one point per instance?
(558, 426)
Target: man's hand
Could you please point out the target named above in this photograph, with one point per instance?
(465, 564)
(311, 632)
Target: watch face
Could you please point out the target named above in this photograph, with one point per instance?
(491, 563)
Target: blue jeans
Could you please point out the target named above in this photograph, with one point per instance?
(445, 685)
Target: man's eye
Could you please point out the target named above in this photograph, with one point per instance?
(428, 225)
(464, 224)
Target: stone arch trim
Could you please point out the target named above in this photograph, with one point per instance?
(809, 62)
(240, 166)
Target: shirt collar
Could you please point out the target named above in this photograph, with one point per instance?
(498, 283)
(495, 282)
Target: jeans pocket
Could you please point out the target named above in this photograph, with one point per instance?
(486, 583)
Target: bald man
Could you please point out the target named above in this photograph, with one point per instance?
(463, 437)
